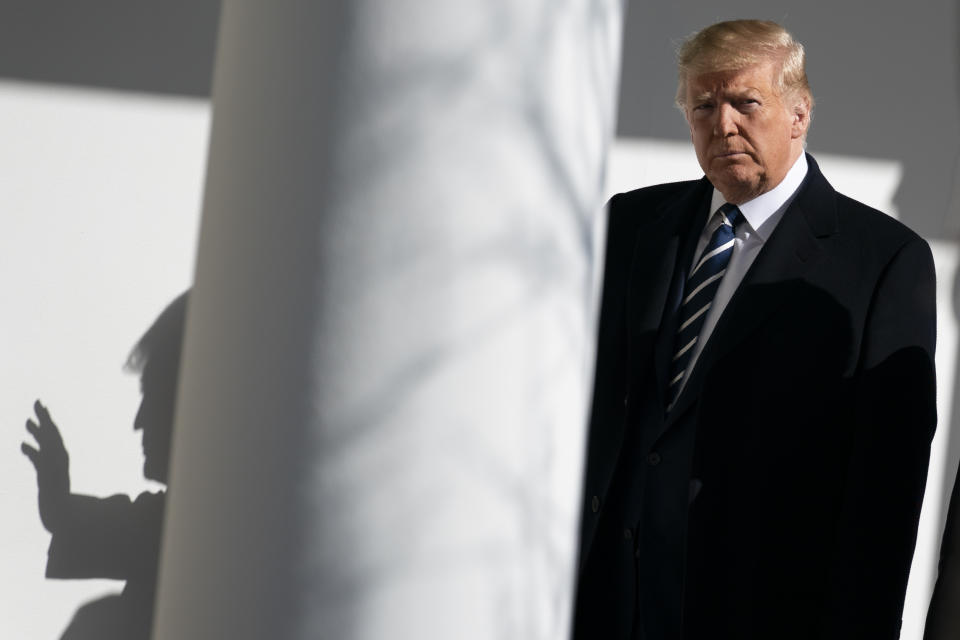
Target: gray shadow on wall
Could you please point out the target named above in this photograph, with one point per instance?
(153, 47)
(885, 75)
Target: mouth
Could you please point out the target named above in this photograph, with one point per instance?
(730, 154)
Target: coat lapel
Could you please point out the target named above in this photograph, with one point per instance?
(655, 258)
(794, 246)
(656, 283)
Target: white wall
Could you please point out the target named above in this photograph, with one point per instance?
(100, 198)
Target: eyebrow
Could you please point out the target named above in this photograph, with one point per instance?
(701, 97)
(733, 94)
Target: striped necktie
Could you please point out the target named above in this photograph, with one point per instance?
(698, 293)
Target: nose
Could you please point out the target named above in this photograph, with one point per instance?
(727, 121)
(139, 418)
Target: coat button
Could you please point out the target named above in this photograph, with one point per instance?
(627, 534)
(653, 458)
(595, 504)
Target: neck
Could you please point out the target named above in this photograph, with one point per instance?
(739, 194)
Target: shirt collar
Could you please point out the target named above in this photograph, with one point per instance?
(760, 209)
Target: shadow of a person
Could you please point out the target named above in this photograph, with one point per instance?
(114, 537)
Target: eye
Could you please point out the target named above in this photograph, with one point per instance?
(701, 109)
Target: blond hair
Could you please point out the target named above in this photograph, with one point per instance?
(737, 44)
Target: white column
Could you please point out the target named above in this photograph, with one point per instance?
(389, 347)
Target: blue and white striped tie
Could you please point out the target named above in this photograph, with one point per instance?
(698, 293)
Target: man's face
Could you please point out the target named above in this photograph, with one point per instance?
(745, 135)
(155, 420)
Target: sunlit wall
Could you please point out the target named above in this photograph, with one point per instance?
(100, 193)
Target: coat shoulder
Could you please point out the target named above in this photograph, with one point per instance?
(880, 224)
(874, 228)
(830, 211)
(642, 199)
(628, 210)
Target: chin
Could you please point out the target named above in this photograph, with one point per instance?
(737, 187)
(150, 472)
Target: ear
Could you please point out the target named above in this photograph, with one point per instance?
(801, 118)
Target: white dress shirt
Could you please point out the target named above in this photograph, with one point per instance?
(760, 217)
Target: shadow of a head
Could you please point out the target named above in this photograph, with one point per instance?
(156, 357)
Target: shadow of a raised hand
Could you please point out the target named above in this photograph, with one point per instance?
(52, 464)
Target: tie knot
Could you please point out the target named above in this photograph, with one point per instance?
(730, 214)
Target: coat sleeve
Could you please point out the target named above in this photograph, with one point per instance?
(111, 537)
(894, 416)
